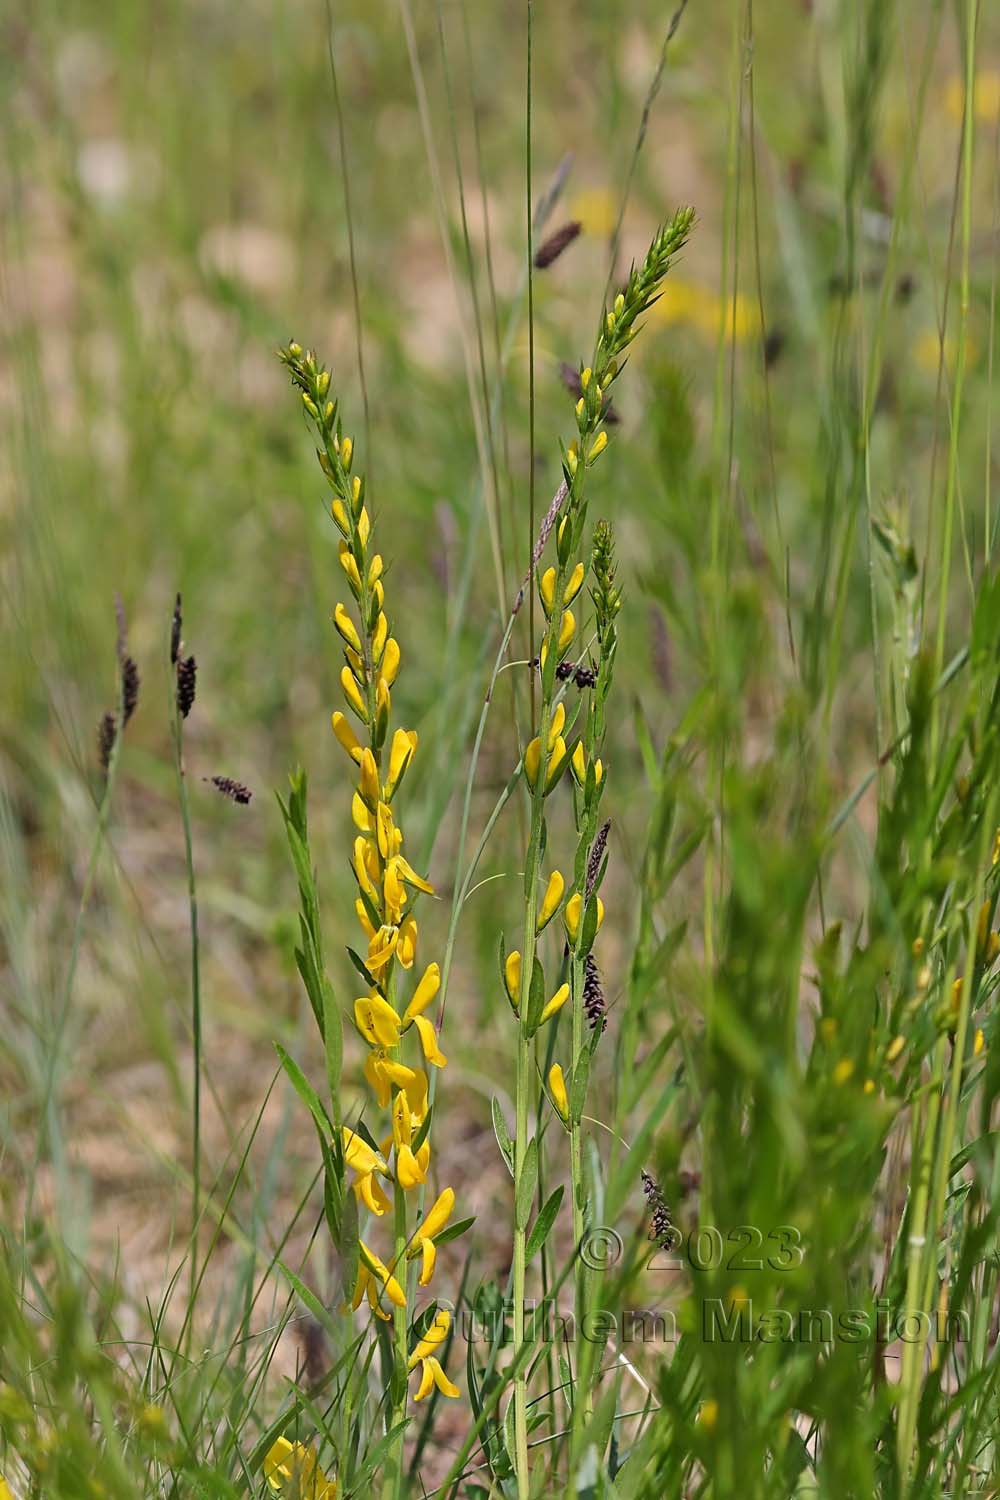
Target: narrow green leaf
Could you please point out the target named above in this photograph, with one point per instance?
(543, 1224)
(503, 1135)
(525, 1193)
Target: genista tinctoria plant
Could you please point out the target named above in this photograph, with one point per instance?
(550, 752)
(389, 1170)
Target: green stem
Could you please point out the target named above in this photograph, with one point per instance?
(394, 1466)
(185, 806)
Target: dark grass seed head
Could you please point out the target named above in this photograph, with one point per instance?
(107, 729)
(558, 241)
(234, 790)
(187, 671)
(176, 625)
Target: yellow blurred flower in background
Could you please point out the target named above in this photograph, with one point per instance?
(986, 97)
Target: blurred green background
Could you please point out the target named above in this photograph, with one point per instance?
(173, 207)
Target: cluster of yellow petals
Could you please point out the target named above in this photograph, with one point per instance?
(387, 885)
(425, 1355)
(292, 1469)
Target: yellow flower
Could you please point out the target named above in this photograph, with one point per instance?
(427, 1032)
(578, 765)
(390, 660)
(843, 1071)
(596, 210)
(556, 1003)
(345, 734)
(353, 694)
(408, 1171)
(708, 1415)
(985, 99)
(381, 948)
(547, 589)
(382, 1072)
(431, 1373)
(598, 447)
(369, 787)
(556, 762)
(512, 977)
(557, 1088)
(409, 874)
(574, 911)
(377, 1021)
(424, 993)
(551, 899)
(290, 1467)
(374, 1281)
(423, 1237)
(574, 584)
(365, 1161)
(346, 628)
(406, 949)
(401, 752)
(978, 1043)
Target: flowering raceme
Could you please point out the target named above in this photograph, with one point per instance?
(401, 1038)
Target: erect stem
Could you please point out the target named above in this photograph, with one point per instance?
(394, 1465)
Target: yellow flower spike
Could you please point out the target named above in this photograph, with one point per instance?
(346, 627)
(369, 787)
(377, 1021)
(375, 570)
(555, 1004)
(379, 637)
(512, 977)
(567, 630)
(349, 566)
(547, 590)
(598, 447)
(381, 948)
(353, 694)
(339, 513)
(557, 1088)
(390, 660)
(427, 988)
(288, 1467)
(428, 1041)
(574, 584)
(432, 1339)
(401, 752)
(406, 950)
(346, 736)
(551, 899)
